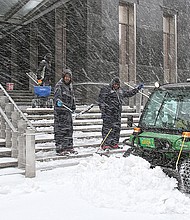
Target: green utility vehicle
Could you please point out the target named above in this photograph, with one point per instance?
(163, 134)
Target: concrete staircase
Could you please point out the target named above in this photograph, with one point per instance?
(22, 97)
(87, 133)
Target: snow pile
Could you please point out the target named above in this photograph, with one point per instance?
(97, 188)
(129, 184)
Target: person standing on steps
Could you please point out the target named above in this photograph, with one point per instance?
(110, 103)
(64, 104)
(44, 71)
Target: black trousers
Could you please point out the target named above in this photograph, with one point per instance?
(63, 129)
(113, 124)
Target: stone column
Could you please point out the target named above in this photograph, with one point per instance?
(30, 170)
(22, 125)
(138, 102)
(15, 118)
(60, 42)
(33, 51)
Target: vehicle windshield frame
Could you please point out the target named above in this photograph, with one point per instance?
(167, 110)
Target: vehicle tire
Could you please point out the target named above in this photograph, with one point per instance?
(133, 151)
(128, 152)
(184, 173)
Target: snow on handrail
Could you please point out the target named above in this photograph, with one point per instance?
(18, 109)
(7, 120)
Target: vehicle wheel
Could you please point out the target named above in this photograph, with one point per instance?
(128, 152)
(184, 172)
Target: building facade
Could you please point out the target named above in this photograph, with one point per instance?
(138, 40)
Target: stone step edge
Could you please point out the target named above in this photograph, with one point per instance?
(7, 152)
(95, 116)
(44, 140)
(14, 163)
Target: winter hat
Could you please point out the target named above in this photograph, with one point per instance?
(48, 56)
(115, 80)
(67, 72)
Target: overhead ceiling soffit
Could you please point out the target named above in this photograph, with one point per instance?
(41, 9)
(15, 9)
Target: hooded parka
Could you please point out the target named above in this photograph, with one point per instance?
(110, 103)
(63, 122)
(44, 71)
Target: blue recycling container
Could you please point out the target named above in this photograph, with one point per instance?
(42, 91)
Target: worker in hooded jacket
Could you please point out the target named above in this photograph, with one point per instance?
(110, 104)
(64, 106)
(44, 71)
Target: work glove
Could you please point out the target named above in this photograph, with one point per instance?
(73, 112)
(74, 115)
(39, 82)
(59, 103)
(140, 86)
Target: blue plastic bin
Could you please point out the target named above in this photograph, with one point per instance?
(42, 91)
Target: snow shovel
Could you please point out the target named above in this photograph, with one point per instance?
(85, 110)
(81, 112)
(103, 141)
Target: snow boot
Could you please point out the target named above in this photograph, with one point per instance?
(116, 146)
(72, 151)
(105, 147)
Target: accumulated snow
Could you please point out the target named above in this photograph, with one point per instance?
(94, 188)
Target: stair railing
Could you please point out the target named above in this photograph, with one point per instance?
(17, 108)
(33, 77)
(7, 120)
(17, 136)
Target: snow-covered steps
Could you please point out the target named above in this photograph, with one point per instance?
(5, 152)
(78, 122)
(79, 108)
(22, 97)
(2, 142)
(55, 157)
(46, 142)
(8, 162)
(45, 156)
(87, 144)
(82, 153)
(86, 141)
(95, 115)
(82, 128)
(78, 134)
(88, 125)
(5, 158)
(87, 131)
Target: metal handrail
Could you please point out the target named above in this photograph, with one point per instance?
(18, 109)
(33, 80)
(90, 83)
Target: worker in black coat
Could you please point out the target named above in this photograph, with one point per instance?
(110, 104)
(44, 71)
(64, 105)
